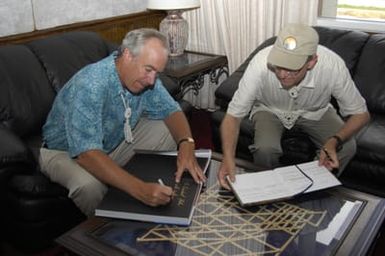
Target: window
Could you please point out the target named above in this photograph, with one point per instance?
(368, 15)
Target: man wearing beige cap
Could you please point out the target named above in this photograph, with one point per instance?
(290, 84)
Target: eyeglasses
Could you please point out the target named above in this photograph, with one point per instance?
(288, 72)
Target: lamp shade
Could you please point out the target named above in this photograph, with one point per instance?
(172, 4)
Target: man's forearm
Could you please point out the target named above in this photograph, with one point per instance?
(178, 125)
(352, 125)
(107, 171)
(229, 135)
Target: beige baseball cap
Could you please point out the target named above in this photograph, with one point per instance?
(293, 45)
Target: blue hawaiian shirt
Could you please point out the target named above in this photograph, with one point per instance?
(88, 112)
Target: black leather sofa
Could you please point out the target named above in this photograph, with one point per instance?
(34, 210)
(364, 55)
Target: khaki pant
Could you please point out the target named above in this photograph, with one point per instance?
(268, 132)
(84, 189)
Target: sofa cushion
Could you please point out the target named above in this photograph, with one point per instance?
(63, 55)
(25, 93)
(348, 44)
(370, 74)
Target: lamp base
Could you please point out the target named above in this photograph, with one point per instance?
(176, 30)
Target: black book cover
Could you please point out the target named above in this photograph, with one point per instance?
(150, 167)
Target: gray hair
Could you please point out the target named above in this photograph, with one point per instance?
(135, 39)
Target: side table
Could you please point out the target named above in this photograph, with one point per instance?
(188, 70)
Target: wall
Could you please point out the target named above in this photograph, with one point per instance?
(21, 16)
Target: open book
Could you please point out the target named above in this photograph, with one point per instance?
(151, 166)
(281, 183)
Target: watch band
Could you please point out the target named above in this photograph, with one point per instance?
(339, 142)
(186, 139)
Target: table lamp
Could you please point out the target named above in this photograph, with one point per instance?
(174, 26)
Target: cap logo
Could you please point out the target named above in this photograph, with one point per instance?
(290, 43)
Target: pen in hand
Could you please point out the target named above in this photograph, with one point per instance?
(334, 169)
(327, 154)
(161, 182)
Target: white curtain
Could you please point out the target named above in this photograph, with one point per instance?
(236, 27)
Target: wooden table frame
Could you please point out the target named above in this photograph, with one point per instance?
(188, 70)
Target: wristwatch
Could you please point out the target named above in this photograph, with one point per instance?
(186, 139)
(339, 142)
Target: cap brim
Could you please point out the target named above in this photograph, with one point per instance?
(286, 60)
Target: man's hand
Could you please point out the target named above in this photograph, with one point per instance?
(180, 129)
(154, 194)
(227, 168)
(229, 135)
(328, 156)
(187, 161)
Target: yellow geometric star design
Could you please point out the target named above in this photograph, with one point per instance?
(220, 226)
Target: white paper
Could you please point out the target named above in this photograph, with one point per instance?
(281, 183)
(259, 186)
(321, 176)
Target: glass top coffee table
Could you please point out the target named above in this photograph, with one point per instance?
(337, 221)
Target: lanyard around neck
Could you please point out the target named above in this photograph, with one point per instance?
(127, 114)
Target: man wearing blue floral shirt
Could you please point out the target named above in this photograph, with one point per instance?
(104, 112)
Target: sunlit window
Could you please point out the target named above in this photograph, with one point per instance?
(362, 14)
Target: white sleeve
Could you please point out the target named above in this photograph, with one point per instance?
(249, 86)
(346, 93)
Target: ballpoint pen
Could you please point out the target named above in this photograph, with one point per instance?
(327, 154)
(160, 182)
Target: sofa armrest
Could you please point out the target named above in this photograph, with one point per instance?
(36, 186)
(18, 169)
(15, 156)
